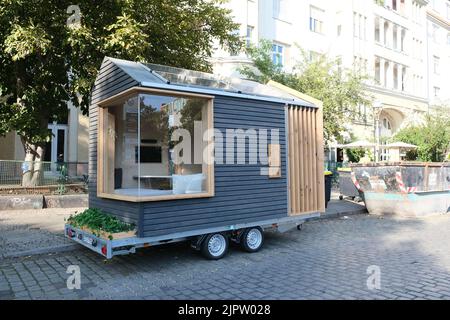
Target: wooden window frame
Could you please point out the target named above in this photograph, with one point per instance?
(207, 168)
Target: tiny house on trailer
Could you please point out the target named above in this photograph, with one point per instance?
(251, 158)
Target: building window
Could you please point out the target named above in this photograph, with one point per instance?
(436, 91)
(394, 5)
(365, 29)
(395, 76)
(150, 147)
(339, 30)
(377, 71)
(403, 80)
(402, 40)
(314, 56)
(436, 65)
(277, 54)
(385, 33)
(395, 37)
(448, 39)
(281, 10)
(386, 124)
(377, 29)
(448, 11)
(434, 33)
(316, 19)
(249, 36)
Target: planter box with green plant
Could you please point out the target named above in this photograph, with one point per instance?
(101, 224)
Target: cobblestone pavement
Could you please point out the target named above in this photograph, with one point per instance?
(25, 231)
(328, 259)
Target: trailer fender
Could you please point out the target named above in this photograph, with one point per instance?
(196, 242)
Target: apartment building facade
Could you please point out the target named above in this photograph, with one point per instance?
(438, 46)
(389, 40)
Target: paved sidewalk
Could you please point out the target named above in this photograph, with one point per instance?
(27, 232)
(328, 259)
(338, 208)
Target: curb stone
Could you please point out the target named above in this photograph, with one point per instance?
(38, 251)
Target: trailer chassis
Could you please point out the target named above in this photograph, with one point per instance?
(110, 248)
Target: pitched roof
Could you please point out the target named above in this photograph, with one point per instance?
(165, 77)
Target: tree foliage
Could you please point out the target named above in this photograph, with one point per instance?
(339, 90)
(44, 62)
(432, 138)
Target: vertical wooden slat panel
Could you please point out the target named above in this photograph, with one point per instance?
(305, 158)
(320, 157)
(300, 160)
(295, 162)
(291, 159)
(314, 159)
(313, 164)
(309, 169)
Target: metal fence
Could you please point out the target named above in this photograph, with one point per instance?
(52, 174)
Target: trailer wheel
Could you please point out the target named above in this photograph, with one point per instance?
(215, 246)
(341, 197)
(252, 239)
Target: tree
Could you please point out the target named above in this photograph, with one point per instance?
(432, 138)
(45, 62)
(339, 90)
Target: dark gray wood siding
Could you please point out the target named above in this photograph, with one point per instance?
(110, 81)
(241, 193)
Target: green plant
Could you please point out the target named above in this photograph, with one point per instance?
(96, 220)
(63, 179)
(432, 138)
(354, 155)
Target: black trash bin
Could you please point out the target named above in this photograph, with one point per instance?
(328, 182)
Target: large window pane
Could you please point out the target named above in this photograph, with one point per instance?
(151, 147)
(171, 149)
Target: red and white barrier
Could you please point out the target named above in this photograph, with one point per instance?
(401, 185)
(355, 182)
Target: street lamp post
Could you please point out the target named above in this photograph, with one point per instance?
(377, 107)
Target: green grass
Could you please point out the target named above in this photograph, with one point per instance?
(96, 220)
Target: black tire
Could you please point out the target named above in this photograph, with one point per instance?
(300, 227)
(215, 246)
(252, 239)
(341, 197)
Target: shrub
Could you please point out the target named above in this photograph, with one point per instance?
(96, 220)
